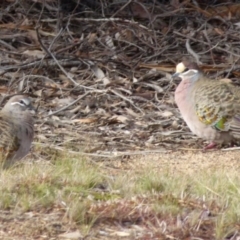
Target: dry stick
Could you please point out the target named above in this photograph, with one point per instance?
(168, 14)
(50, 54)
(69, 105)
(196, 40)
(7, 45)
(38, 62)
(61, 68)
(190, 51)
(167, 89)
(232, 68)
(125, 5)
(41, 13)
(41, 77)
(119, 154)
(110, 20)
(78, 99)
(54, 40)
(126, 99)
(209, 42)
(231, 149)
(110, 154)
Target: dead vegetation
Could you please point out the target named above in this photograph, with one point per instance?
(100, 72)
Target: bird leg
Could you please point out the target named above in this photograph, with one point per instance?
(211, 145)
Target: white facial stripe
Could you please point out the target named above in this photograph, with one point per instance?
(189, 72)
(14, 103)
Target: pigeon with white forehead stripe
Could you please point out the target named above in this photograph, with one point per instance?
(210, 108)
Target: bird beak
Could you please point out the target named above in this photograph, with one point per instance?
(176, 74)
(32, 109)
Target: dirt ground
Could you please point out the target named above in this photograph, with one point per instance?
(192, 161)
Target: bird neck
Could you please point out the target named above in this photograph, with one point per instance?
(183, 95)
(185, 85)
(18, 117)
(185, 90)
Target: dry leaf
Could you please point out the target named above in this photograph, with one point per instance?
(34, 53)
(85, 120)
(119, 118)
(227, 80)
(71, 235)
(165, 114)
(120, 234)
(100, 75)
(224, 11)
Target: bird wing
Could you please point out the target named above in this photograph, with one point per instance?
(9, 141)
(217, 104)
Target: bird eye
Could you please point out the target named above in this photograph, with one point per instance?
(22, 102)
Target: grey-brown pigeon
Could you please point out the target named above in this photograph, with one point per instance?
(16, 129)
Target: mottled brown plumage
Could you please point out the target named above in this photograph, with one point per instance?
(211, 108)
(16, 129)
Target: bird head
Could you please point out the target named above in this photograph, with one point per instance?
(19, 103)
(187, 69)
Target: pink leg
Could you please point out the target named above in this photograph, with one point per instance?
(210, 146)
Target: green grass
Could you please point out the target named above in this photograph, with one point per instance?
(88, 193)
